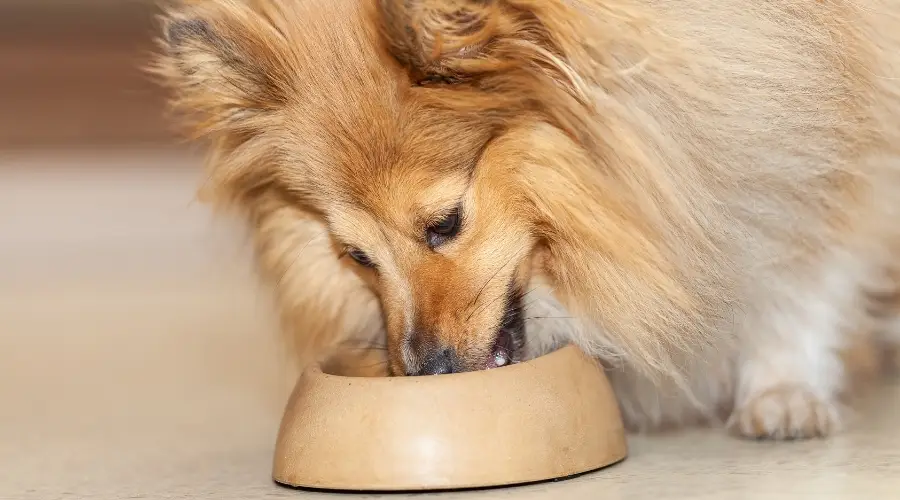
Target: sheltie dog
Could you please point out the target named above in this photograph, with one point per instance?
(704, 195)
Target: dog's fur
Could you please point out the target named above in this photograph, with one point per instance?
(703, 194)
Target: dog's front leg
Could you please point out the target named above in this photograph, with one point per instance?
(789, 368)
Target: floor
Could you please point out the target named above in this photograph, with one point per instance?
(140, 361)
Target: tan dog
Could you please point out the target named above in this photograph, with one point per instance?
(703, 194)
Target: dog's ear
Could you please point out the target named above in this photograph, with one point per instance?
(499, 56)
(449, 41)
(221, 60)
(432, 37)
(462, 39)
(226, 65)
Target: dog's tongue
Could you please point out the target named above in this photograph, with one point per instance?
(500, 353)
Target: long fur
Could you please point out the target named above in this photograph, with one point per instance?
(703, 194)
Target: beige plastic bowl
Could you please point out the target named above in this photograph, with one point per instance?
(549, 418)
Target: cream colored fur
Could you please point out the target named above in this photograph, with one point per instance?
(718, 184)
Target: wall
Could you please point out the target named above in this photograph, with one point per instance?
(70, 74)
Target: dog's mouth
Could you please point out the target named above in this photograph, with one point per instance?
(510, 334)
(502, 352)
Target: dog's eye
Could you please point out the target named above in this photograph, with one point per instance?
(360, 257)
(443, 230)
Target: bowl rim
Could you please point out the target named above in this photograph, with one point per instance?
(316, 370)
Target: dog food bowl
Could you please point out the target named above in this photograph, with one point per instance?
(548, 418)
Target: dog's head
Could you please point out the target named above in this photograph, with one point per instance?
(451, 148)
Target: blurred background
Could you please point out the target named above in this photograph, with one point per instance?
(70, 74)
(138, 356)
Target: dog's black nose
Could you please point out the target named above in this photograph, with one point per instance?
(439, 362)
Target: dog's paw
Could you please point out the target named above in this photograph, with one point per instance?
(784, 413)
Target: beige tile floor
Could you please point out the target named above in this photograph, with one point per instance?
(138, 361)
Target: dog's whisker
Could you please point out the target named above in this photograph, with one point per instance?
(296, 258)
(474, 301)
(486, 305)
(530, 303)
(361, 345)
(483, 287)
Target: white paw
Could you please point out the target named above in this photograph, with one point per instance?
(785, 412)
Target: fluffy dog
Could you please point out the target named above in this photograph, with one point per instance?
(702, 194)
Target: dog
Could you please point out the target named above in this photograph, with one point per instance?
(702, 195)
